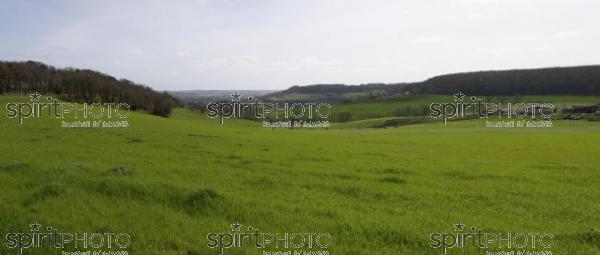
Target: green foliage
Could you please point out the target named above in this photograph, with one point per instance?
(84, 86)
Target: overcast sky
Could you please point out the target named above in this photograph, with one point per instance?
(274, 44)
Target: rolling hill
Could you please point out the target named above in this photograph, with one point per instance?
(82, 86)
(577, 80)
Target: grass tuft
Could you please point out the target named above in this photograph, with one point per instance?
(202, 201)
(393, 179)
(48, 191)
(592, 237)
(13, 167)
(120, 171)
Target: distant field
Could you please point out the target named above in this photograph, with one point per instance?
(217, 93)
(418, 105)
(169, 182)
(567, 101)
(383, 122)
(385, 107)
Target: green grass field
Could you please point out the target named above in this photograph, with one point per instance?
(169, 182)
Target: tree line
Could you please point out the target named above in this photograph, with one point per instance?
(81, 85)
(578, 80)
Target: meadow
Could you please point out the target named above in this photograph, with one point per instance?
(168, 182)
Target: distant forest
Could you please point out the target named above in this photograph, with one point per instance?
(83, 86)
(579, 80)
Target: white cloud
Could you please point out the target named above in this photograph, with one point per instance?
(470, 2)
(526, 37)
(182, 54)
(431, 40)
(312, 61)
(499, 51)
(544, 48)
(572, 33)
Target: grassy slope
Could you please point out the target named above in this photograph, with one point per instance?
(376, 191)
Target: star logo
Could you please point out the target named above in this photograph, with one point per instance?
(459, 96)
(235, 97)
(459, 226)
(35, 227)
(236, 227)
(35, 96)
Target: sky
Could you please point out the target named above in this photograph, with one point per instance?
(275, 44)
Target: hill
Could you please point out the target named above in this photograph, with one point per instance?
(81, 85)
(338, 92)
(578, 80)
